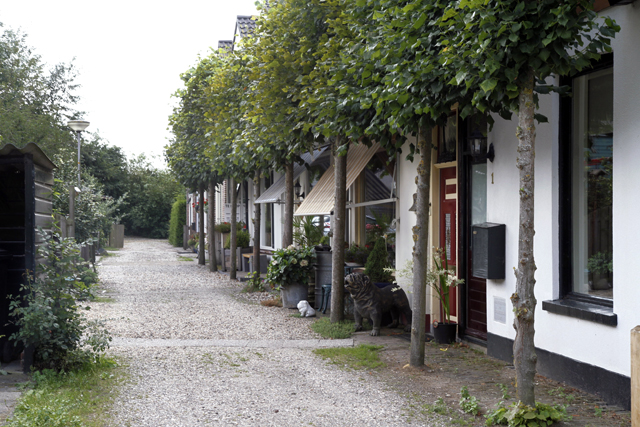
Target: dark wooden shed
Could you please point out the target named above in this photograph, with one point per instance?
(26, 181)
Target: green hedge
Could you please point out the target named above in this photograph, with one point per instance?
(178, 219)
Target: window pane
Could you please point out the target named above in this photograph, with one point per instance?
(268, 215)
(378, 176)
(379, 223)
(478, 193)
(592, 184)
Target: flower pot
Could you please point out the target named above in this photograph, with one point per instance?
(444, 333)
(293, 293)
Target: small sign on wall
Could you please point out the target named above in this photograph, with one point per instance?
(499, 310)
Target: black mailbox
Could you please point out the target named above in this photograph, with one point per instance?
(488, 250)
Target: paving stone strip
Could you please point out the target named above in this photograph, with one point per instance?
(141, 342)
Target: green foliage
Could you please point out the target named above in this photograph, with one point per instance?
(357, 253)
(308, 233)
(185, 155)
(377, 262)
(505, 391)
(35, 102)
(469, 404)
(47, 313)
(106, 163)
(439, 407)
(254, 284)
(290, 265)
(442, 280)
(364, 356)
(492, 45)
(600, 263)
(79, 398)
(177, 221)
(243, 240)
(151, 193)
(225, 227)
(519, 414)
(95, 211)
(337, 330)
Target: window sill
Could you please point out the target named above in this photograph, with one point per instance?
(596, 310)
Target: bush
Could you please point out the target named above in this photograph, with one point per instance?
(151, 193)
(95, 211)
(225, 227)
(290, 265)
(222, 227)
(377, 262)
(177, 221)
(243, 239)
(357, 253)
(47, 313)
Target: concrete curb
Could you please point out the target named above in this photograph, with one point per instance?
(274, 344)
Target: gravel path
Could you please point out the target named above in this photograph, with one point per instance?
(200, 353)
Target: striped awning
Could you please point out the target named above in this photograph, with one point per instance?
(274, 192)
(321, 198)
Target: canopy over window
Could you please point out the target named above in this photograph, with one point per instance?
(320, 200)
(273, 193)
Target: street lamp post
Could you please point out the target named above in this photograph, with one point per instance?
(78, 126)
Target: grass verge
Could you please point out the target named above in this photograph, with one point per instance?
(103, 299)
(107, 255)
(339, 330)
(185, 258)
(364, 356)
(68, 399)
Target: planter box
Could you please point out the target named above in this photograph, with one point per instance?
(241, 259)
(248, 263)
(323, 274)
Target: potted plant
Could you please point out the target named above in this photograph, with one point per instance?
(289, 271)
(377, 266)
(193, 242)
(243, 239)
(600, 266)
(443, 280)
(358, 254)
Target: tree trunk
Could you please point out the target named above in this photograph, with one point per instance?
(201, 246)
(337, 244)
(287, 233)
(213, 265)
(256, 223)
(420, 252)
(524, 301)
(234, 230)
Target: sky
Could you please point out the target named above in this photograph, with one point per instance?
(129, 55)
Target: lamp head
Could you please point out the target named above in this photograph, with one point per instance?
(77, 125)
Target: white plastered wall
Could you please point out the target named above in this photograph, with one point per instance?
(589, 342)
(406, 187)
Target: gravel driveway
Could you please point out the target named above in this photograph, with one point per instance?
(199, 353)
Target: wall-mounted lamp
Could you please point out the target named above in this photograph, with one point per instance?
(296, 189)
(477, 146)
